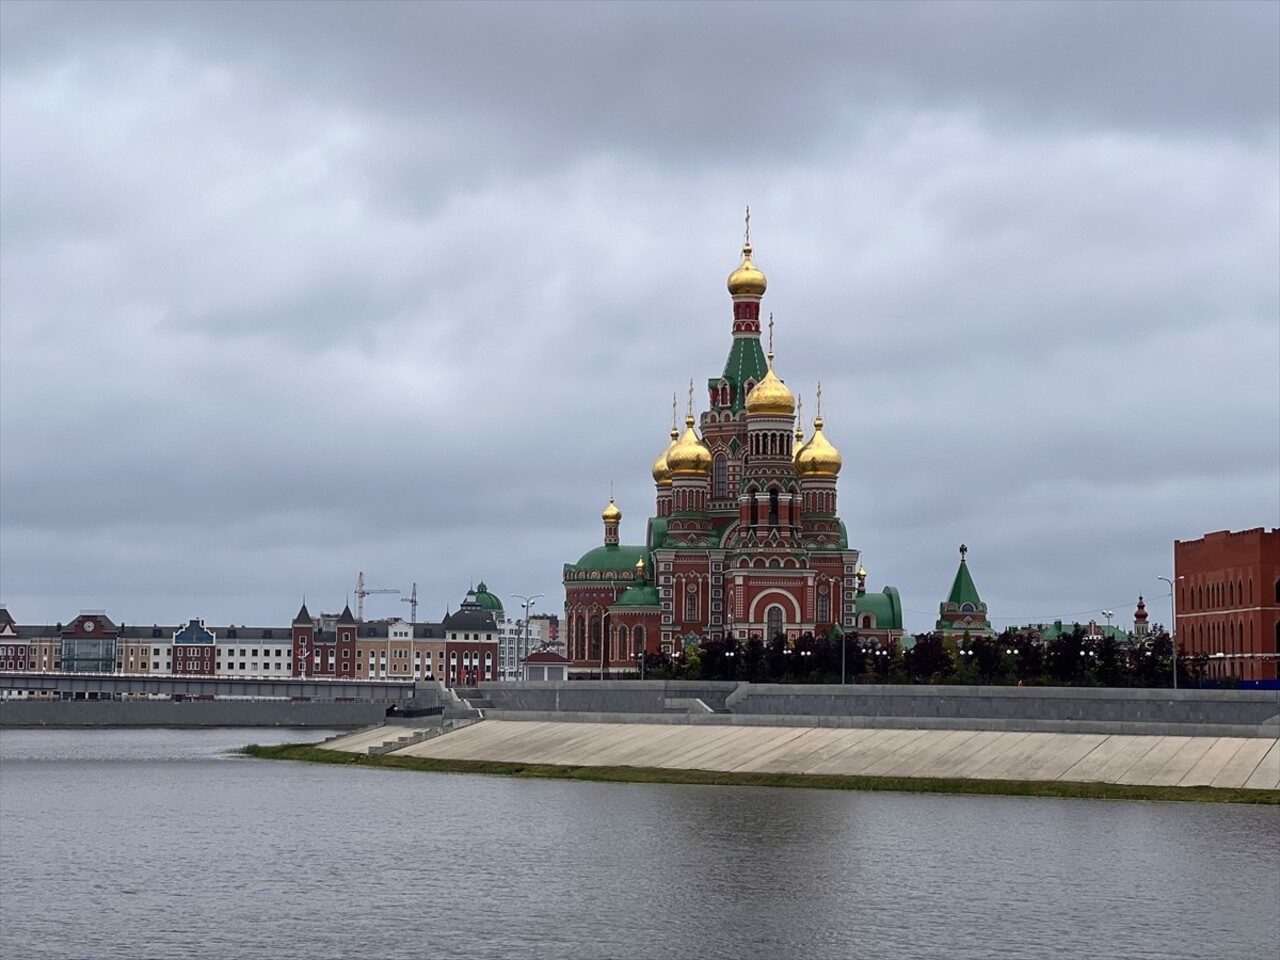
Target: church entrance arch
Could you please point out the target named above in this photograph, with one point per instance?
(773, 622)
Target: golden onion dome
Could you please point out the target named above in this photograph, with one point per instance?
(690, 455)
(771, 397)
(747, 281)
(661, 469)
(611, 513)
(818, 458)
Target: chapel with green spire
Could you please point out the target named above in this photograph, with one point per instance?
(963, 612)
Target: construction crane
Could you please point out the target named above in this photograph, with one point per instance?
(362, 591)
(412, 601)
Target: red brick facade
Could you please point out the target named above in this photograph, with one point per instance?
(1228, 601)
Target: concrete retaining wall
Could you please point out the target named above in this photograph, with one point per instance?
(1061, 704)
(1237, 713)
(612, 696)
(199, 713)
(1136, 728)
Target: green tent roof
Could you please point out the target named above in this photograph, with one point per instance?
(962, 590)
(746, 362)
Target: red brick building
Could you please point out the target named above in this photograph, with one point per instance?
(318, 652)
(470, 645)
(1228, 601)
(745, 539)
(13, 649)
(194, 647)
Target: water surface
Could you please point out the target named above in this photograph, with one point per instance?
(159, 844)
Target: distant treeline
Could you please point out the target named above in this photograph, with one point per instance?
(1014, 657)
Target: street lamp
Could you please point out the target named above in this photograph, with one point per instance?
(1108, 614)
(524, 628)
(1173, 629)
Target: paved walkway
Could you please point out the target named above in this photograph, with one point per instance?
(990, 755)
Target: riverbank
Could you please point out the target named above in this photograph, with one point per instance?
(624, 774)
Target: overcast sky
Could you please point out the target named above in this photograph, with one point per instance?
(292, 291)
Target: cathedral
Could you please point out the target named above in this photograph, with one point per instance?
(746, 537)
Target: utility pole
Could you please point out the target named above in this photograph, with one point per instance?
(1173, 628)
(523, 639)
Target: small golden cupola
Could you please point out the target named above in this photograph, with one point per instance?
(770, 397)
(747, 280)
(661, 468)
(690, 455)
(818, 458)
(611, 513)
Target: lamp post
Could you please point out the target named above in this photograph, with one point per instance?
(604, 640)
(1173, 629)
(528, 602)
(1108, 614)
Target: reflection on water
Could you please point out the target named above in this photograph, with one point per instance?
(157, 844)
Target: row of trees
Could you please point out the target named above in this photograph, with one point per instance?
(1073, 659)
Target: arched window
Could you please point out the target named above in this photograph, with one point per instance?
(638, 636)
(773, 508)
(580, 638)
(867, 621)
(690, 606)
(594, 652)
(620, 644)
(755, 519)
(720, 476)
(1278, 591)
(824, 608)
(773, 621)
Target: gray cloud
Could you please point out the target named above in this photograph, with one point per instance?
(404, 288)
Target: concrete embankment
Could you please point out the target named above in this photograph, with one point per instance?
(1235, 713)
(197, 713)
(1231, 762)
(1139, 737)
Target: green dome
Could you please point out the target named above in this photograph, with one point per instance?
(639, 596)
(607, 562)
(886, 607)
(486, 600)
(612, 561)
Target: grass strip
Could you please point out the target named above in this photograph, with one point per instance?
(1010, 788)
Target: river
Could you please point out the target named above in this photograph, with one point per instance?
(158, 844)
